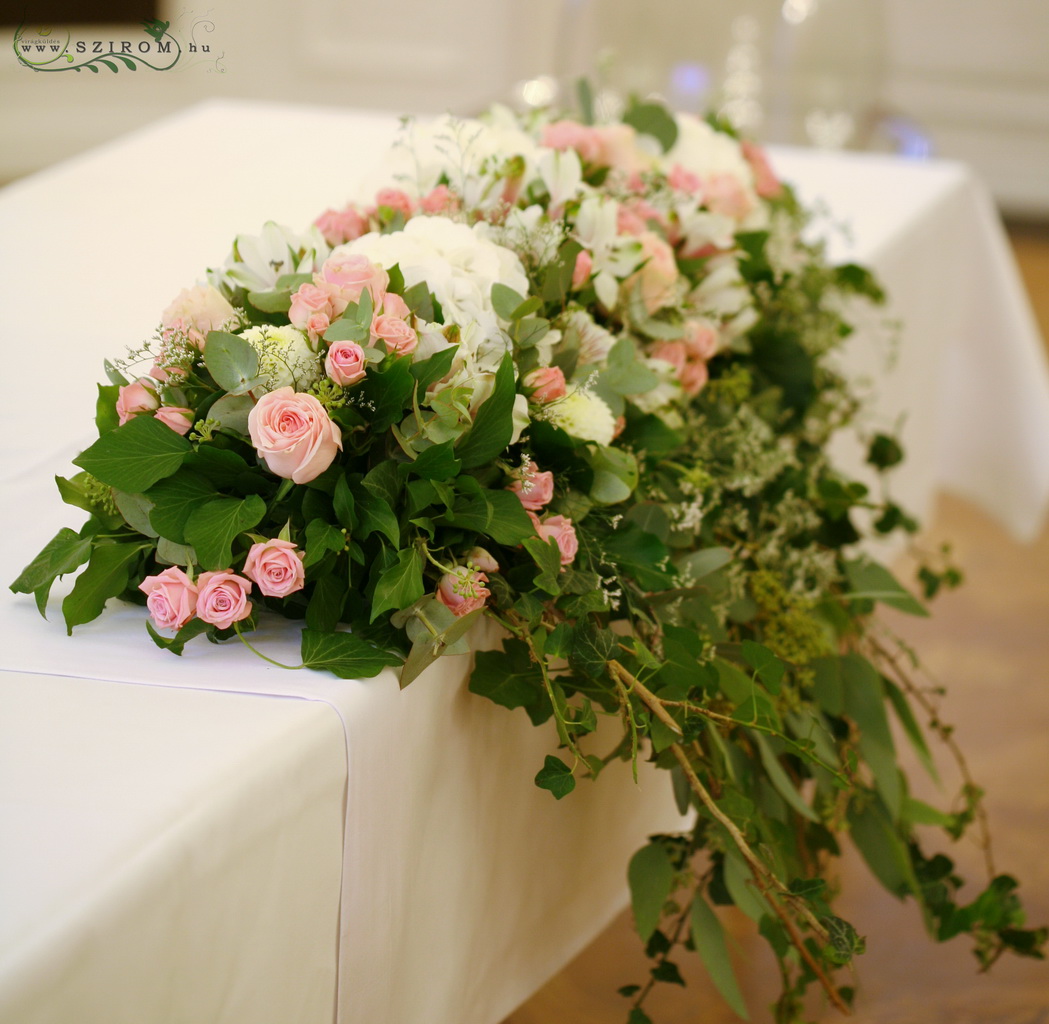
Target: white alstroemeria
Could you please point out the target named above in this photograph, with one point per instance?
(665, 393)
(614, 256)
(285, 357)
(723, 293)
(520, 418)
(257, 261)
(583, 415)
(701, 228)
(595, 342)
(562, 173)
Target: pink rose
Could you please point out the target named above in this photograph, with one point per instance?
(584, 139)
(548, 382)
(317, 324)
(481, 558)
(293, 433)
(195, 311)
(619, 149)
(276, 567)
(222, 598)
(657, 274)
(683, 181)
(560, 530)
(701, 339)
(351, 274)
(463, 590)
(535, 489)
(396, 334)
(308, 301)
(691, 372)
(176, 417)
(584, 267)
(766, 184)
(345, 363)
(726, 195)
(340, 226)
(136, 397)
(439, 200)
(394, 305)
(171, 598)
(395, 199)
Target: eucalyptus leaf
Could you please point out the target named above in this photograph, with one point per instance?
(232, 362)
(651, 878)
(708, 937)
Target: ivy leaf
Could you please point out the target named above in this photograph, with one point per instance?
(322, 537)
(374, 515)
(508, 677)
(132, 458)
(437, 463)
(493, 425)
(547, 557)
(399, 585)
(174, 500)
(106, 576)
(555, 776)
(428, 371)
(651, 878)
(708, 937)
(177, 643)
(872, 581)
(345, 655)
(62, 554)
(211, 528)
(768, 667)
(865, 705)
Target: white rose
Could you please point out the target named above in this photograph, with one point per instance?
(285, 358)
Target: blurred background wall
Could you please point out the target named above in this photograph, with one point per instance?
(963, 79)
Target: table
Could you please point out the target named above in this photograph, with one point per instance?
(234, 842)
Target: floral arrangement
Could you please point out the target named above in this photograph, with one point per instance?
(572, 377)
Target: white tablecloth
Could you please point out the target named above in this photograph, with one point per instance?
(462, 885)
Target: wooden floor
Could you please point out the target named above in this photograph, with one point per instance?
(989, 643)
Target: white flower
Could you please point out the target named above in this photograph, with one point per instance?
(562, 174)
(594, 341)
(285, 357)
(664, 393)
(582, 415)
(257, 261)
(614, 256)
(723, 293)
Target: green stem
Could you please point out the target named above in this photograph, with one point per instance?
(258, 653)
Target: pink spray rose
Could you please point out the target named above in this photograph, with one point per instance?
(439, 200)
(176, 417)
(701, 339)
(136, 397)
(293, 433)
(276, 567)
(726, 195)
(308, 301)
(535, 489)
(658, 273)
(394, 305)
(766, 184)
(584, 139)
(340, 226)
(584, 267)
(395, 333)
(171, 598)
(395, 199)
(463, 590)
(560, 530)
(350, 274)
(682, 180)
(345, 363)
(548, 382)
(222, 598)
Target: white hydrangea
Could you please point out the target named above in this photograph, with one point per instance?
(285, 357)
(583, 415)
(458, 264)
